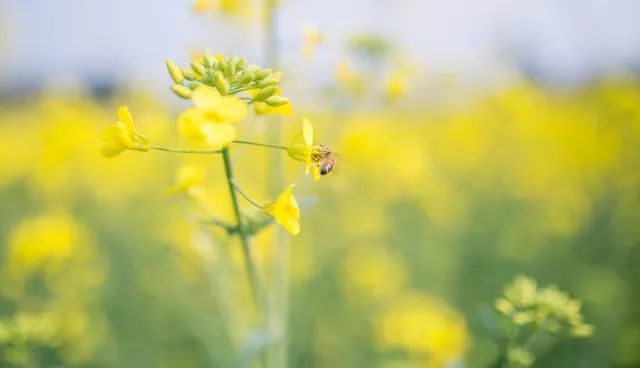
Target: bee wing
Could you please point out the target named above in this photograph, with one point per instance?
(337, 158)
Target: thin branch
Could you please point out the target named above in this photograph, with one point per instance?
(179, 150)
(278, 146)
(245, 196)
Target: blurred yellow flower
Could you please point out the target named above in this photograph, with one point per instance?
(302, 149)
(122, 135)
(203, 5)
(210, 122)
(190, 180)
(285, 210)
(44, 240)
(396, 87)
(424, 325)
(349, 79)
(232, 7)
(312, 38)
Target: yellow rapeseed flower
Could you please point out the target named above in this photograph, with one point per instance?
(424, 325)
(396, 87)
(302, 149)
(190, 181)
(48, 239)
(122, 135)
(285, 210)
(203, 5)
(210, 122)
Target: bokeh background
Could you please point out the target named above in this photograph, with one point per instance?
(479, 140)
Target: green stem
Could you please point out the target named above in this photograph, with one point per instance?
(179, 150)
(278, 146)
(245, 196)
(252, 272)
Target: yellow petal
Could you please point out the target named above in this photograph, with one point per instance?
(262, 108)
(115, 140)
(231, 110)
(218, 135)
(205, 97)
(307, 131)
(286, 211)
(298, 152)
(189, 124)
(291, 225)
(124, 115)
(315, 172)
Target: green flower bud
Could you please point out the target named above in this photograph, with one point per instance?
(242, 63)
(198, 68)
(188, 74)
(222, 84)
(174, 72)
(265, 93)
(209, 59)
(262, 74)
(247, 77)
(267, 82)
(194, 84)
(276, 101)
(233, 65)
(181, 91)
(223, 66)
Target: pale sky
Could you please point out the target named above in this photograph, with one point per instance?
(564, 40)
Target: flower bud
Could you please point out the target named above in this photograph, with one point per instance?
(247, 77)
(194, 84)
(198, 68)
(268, 82)
(242, 63)
(222, 84)
(209, 59)
(188, 74)
(223, 66)
(181, 91)
(265, 93)
(276, 101)
(174, 72)
(262, 74)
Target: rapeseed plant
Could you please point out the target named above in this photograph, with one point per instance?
(536, 319)
(221, 90)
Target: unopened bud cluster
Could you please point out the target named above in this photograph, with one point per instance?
(544, 315)
(547, 309)
(229, 76)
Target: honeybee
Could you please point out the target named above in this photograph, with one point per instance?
(325, 159)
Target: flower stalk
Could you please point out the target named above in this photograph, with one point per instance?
(278, 146)
(180, 150)
(250, 264)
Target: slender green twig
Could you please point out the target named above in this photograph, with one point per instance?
(245, 196)
(252, 271)
(278, 146)
(180, 150)
(212, 220)
(224, 225)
